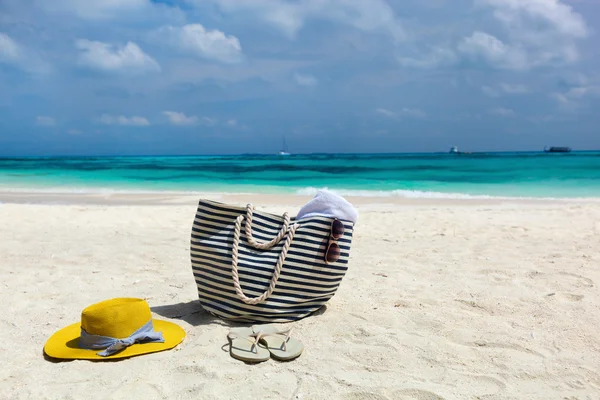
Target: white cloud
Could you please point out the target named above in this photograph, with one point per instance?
(578, 92)
(483, 46)
(514, 89)
(94, 9)
(505, 89)
(13, 53)
(413, 112)
(45, 121)
(177, 118)
(290, 17)
(404, 112)
(385, 112)
(208, 121)
(533, 33)
(574, 95)
(541, 119)
(558, 16)
(503, 112)
(581, 91)
(9, 49)
(538, 33)
(196, 39)
(490, 91)
(305, 80)
(122, 120)
(106, 57)
(573, 79)
(561, 98)
(235, 124)
(578, 87)
(438, 57)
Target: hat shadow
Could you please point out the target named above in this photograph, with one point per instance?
(54, 360)
(74, 344)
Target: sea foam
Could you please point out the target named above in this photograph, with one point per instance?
(419, 194)
(409, 194)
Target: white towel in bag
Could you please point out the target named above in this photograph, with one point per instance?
(329, 204)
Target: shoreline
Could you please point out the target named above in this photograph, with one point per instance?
(172, 198)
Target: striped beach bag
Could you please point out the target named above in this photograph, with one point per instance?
(254, 266)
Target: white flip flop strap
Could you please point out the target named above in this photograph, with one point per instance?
(286, 334)
(254, 339)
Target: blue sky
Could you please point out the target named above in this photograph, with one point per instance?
(236, 76)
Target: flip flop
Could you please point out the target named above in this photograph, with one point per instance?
(244, 345)
(279, 343)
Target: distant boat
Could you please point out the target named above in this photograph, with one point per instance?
(454, 150)
(557, 149)
(284, 149)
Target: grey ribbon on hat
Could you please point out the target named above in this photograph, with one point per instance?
(146, 334)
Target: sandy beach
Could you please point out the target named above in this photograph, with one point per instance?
(443, 299)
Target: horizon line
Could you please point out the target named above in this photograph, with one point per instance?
(283, 156)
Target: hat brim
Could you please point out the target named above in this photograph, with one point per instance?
(64, 344)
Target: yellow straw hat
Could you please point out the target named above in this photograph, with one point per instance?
(115, 328)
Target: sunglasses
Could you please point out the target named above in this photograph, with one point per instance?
(333, 249)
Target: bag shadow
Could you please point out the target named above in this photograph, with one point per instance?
(193, 313)
(190, 312)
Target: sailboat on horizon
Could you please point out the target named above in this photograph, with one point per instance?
(284, 149)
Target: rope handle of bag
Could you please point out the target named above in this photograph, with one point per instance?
(261, 246)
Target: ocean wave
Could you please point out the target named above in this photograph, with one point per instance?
(93, 190)
(419, 194)
(409, 194)
(307, 191)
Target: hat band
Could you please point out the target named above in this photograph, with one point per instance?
(146, 334)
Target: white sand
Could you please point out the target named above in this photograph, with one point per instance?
(446, 300)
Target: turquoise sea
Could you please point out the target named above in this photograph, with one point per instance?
(572, 175)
